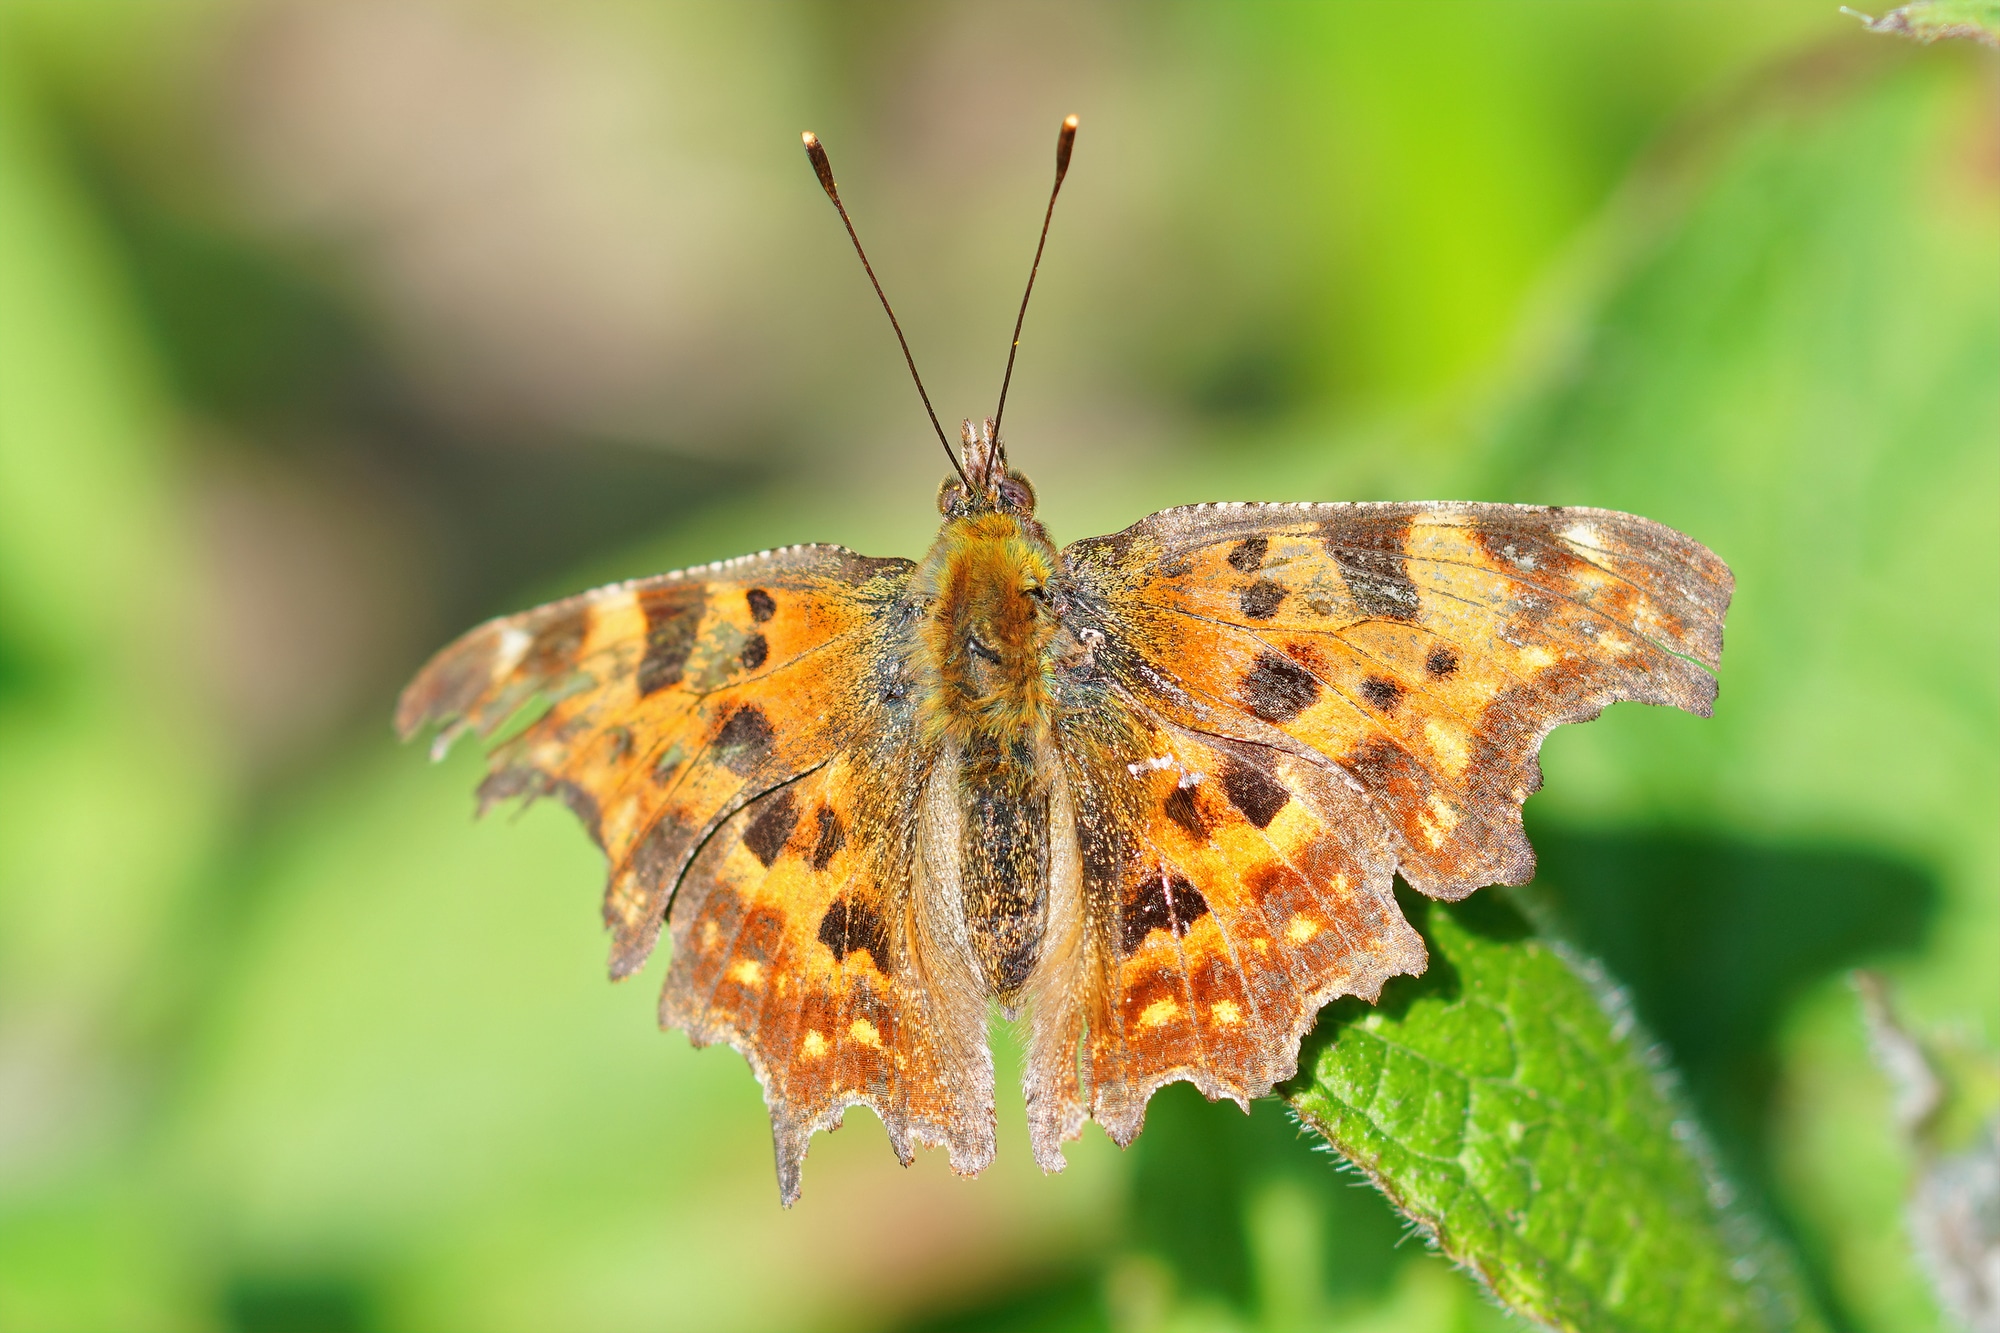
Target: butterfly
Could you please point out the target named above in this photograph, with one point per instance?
(1151, 790)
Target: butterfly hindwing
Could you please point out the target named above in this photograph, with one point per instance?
(1421, 650)
(796, 941)
(1227, 893)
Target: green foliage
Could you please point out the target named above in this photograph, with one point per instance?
(1800, 373)
(1509, 1106)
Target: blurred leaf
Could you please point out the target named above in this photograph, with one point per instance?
(1932, 20)
(1503, 1102)
(112, 791)
(1795, 364)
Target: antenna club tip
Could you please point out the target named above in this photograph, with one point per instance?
(1069, 123)
(821, 167)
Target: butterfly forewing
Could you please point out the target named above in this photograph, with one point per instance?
(669, 702)
(1422, 651)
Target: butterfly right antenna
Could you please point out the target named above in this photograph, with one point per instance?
(824, 170)
(1065, 140)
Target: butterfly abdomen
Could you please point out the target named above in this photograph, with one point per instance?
(1003, 862)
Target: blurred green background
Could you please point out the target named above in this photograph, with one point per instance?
(330, 328)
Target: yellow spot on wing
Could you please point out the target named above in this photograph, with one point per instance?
(814, 1046)
(747, 972)
(1447, 742)
(864, 1032)
(1438, 821)
(1301, 929)
(1537, 656)
(1226, 1014)
(1158, 1012)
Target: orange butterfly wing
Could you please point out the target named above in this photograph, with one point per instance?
(739, 740)
(1281, 706)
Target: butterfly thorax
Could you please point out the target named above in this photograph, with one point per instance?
(986, 630)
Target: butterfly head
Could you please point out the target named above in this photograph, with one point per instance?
(989, 485)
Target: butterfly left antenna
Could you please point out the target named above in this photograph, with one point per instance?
(1065, 140)
(824, 170)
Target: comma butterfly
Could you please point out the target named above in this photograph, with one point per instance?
(1151, 788)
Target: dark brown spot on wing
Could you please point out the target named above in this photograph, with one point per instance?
(762, 605)
(1370, 556)
(1260, 601)
(1441, 662)
(772, 828)
(1254, 792)
(1247, 556)
(851, 924)
(1382, 693)
(744, 738)
(1163, 902)
(1277, 689)
(832, 837)
(1182, 808)
(673, 615)
(756, 649)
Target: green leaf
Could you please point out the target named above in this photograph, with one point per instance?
(1932, 20)
(1506, 1102)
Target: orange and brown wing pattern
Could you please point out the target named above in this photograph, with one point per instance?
(669, 703)
(739, 739)
(1228, 892)
(796, 941)
(1420, 651)
(1266, 711)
